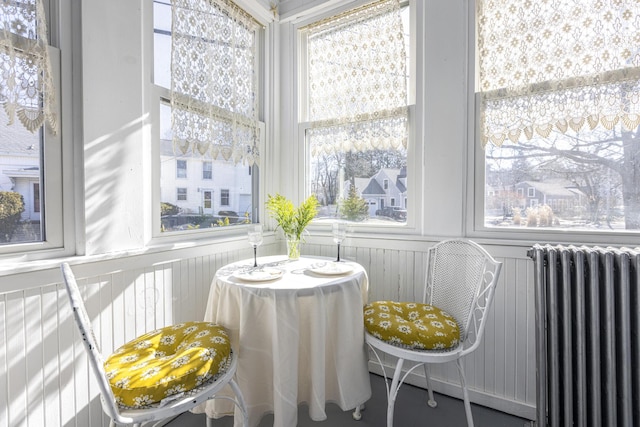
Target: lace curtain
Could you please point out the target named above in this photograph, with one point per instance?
(357, 86)
(555, 65)
(26, 84)
(213, 80)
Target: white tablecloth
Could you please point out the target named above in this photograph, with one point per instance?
(300, 339)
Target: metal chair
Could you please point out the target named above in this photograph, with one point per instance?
(169, 407)
(460, 279)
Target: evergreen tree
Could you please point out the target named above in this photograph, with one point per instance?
(354, 207)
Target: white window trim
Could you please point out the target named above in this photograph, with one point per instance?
(228, 196)
(299, 188)
(210, 170)
(474, 206)
(414, 176)
(156, 93)
(184, 193)
(179, 169)
(56, 206)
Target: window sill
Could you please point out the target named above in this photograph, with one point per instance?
(156, 253)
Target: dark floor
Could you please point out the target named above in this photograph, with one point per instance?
(411, 410)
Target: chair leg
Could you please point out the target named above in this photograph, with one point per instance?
(465, 394)
(393, 392)
(431, 401)
(357, 413)
(240, 403)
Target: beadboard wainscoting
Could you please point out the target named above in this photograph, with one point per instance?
(44, 375)
(501, 373)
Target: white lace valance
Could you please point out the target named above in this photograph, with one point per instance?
(26, 84)
(213, 80)
(357, 85)
(557, 65)
(385, 133)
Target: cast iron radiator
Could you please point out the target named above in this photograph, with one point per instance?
(587, 326)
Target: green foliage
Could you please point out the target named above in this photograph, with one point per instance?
(11, 208)
(222, 222)
(292, 221)
(354, 208)
(168, 209)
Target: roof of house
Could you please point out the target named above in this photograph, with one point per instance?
(15, 140)
(398, 174)
(372, 188)
(557, 188)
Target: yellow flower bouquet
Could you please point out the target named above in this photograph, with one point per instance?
(292, 220)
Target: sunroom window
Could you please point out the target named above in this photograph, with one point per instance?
(559, 111)
(356, 122)
(206, 63)
(31, 199)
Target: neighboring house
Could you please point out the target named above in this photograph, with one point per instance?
(201, 186)
(20, 166)
(388, 187)
(561, 196)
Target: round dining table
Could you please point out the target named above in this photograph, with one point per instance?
(298, 329)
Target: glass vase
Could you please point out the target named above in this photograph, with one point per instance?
(293, 247)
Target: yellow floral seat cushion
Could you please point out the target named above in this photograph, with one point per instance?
(167, 361)
(411, 325)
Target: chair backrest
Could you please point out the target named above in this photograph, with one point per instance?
(460, 279)
(90, 343)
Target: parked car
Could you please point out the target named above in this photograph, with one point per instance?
(233, 216)
(394, 212)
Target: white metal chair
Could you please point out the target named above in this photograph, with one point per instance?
(460, 279)
(170, 407)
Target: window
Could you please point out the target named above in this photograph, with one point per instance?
(31, 175)
(226, 142)
(207, 170)
(181, 168)
(356, 109)
(559, 101)
(224, 197)
(181, 194)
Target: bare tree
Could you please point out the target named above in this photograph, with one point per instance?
(326, 169)
(602, 164)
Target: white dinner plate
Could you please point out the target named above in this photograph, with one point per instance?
(259, 275)
(331, 268)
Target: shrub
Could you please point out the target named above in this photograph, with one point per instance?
(168, 209)
(517, 216)
(11, 208)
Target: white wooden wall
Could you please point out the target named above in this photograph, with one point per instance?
(44, 376)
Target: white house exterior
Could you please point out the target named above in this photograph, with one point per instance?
(20, 166)
(388, 187)
(202, 186)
